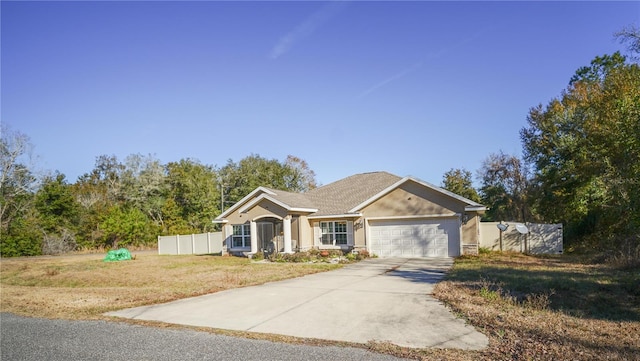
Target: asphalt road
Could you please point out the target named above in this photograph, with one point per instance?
(31, 339)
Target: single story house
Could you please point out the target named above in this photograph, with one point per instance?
(385, 214)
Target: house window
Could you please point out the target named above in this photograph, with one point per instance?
(333, 233)
(241, 236)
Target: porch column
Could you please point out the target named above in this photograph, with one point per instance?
(286, 229)
(254, 237)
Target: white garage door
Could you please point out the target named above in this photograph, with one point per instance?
(415, 238)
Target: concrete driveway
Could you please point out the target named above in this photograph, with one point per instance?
(383, 299)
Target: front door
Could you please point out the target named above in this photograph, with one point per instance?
(265, 237)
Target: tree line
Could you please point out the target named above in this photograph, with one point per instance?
(124, 202)
(581, 159)
(580, 167)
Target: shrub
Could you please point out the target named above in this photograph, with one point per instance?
(313, 255)
(490, 291)
(53, 244)
(627, 256)
(484, 250)
(538, 301)
(297, 257)
(336, 253)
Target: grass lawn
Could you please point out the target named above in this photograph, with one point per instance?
(554, 308)
(531, 308)
(84, 287)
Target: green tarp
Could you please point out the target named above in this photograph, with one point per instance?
(121, 254)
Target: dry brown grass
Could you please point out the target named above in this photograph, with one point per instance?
(546, 308)
(531, 308)
(84, 287)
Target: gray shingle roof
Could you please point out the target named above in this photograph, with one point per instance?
(340, 196)
(295, 200)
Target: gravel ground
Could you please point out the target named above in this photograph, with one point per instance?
(23, 338)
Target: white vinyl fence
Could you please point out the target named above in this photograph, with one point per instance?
(541, 239)
(203, 243)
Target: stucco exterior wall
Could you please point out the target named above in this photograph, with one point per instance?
(359, 234)
(306, 233)
(265, 208)
(471, 234)
(412, 199)
(295, 232)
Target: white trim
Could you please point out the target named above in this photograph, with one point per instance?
(306, 210)
(334, 233)
(286, 233)
(270, 215)
(346, 215)
(423, 183)
(446, 215)
(449, 193)
(243, 200)
(328, 246)
(254, 236)
(243, 235)
(257, 200)
(316, 234)
(475, 208)
(461, 248)
(367, 236)
(220, 221)
(262, 197)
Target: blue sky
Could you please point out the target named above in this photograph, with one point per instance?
(413, 88)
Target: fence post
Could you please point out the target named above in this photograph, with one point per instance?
(209, 242)
(193, 243)
(177, 243)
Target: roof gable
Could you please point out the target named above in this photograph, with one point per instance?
(275, 199)
(470, 205)
(343, 197)
(244, 200)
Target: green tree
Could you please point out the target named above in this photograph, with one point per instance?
(240, 179)
(585, 148)
(108, 174)
(193, 189)
(126, 226)
(144, 186)
(21, 238)
(17, 181)
(173, 222)
(56, 204)
(504, 188)
(18, 236)
(96, 192)
(298, 175)
(459, 182)
(57, 215)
